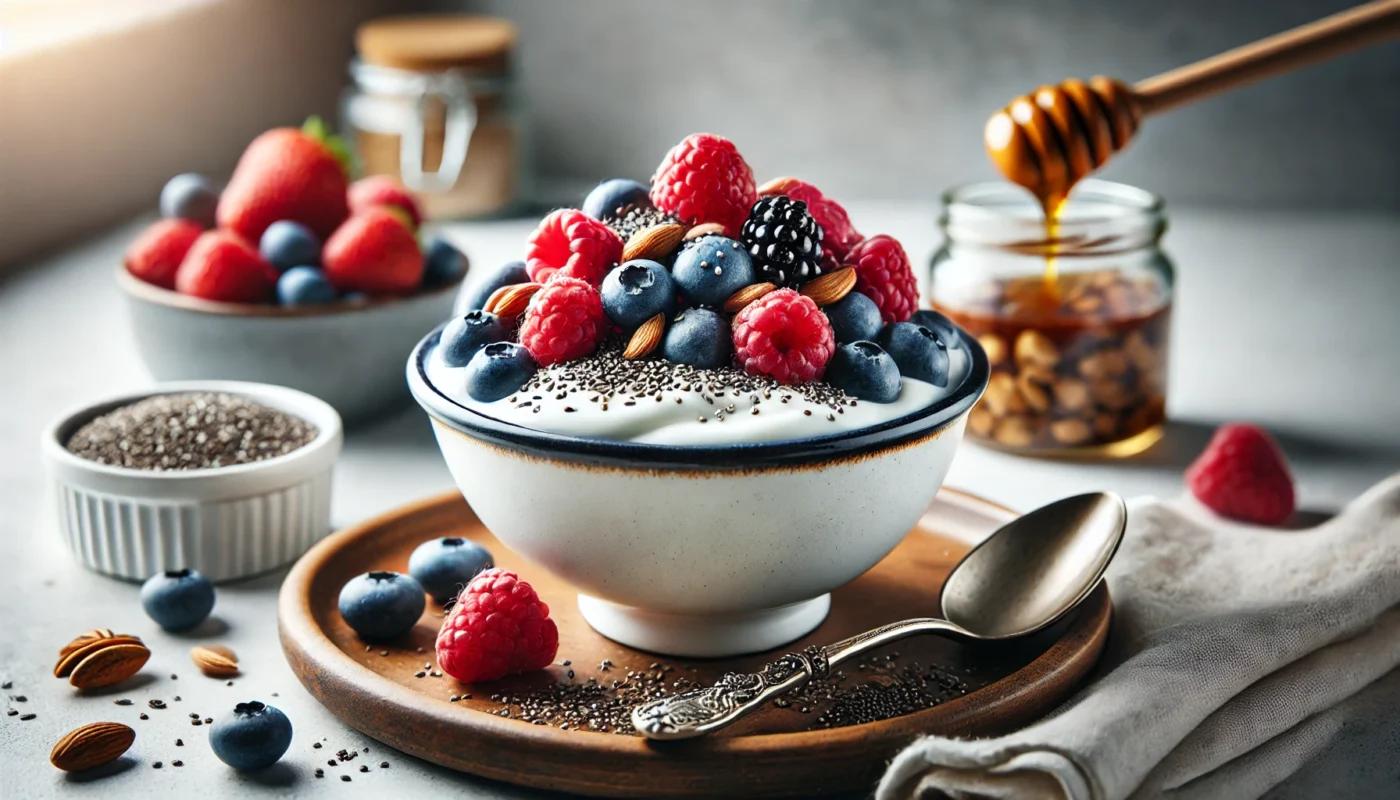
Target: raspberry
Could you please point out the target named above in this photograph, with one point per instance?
(1243, 475)
(498, 627)
(704, 179)
(883, 274)
(839, 235)
(565, 321)
(785, 336)
(571, 243)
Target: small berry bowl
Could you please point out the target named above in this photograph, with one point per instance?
(708, 550)
(348, 353)
(226, 522)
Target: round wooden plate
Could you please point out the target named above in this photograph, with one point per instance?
(775, 752)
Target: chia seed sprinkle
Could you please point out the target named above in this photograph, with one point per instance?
(194, 430)
(27, 717)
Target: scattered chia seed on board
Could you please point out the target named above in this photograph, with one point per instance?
(196, 430)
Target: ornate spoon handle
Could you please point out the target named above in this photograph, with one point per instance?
(701, 711)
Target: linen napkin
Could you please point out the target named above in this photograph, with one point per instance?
(1232, 655)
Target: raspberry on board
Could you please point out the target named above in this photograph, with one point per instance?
(785, 336)
(571, 243)
(704, 179)
(565, 320)
(1242, 474)
(498, 627)
(884, 275)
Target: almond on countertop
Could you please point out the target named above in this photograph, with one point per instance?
(109, 665)
(75, 651)
(216, 661)
(92, 745)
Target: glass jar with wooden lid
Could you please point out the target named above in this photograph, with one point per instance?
(432, 103)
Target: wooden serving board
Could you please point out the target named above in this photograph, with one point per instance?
(775, 752)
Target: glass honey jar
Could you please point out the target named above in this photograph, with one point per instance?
(1074, 313)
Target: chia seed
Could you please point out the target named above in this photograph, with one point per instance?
(194, 430)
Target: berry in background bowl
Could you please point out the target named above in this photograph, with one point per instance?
(704, 435)
(293, 275)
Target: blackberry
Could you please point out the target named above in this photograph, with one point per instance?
(632, 219)
(784, 241)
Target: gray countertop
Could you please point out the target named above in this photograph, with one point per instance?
(1282, 318)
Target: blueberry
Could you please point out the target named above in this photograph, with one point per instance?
(192, 197)
(609, 197)
(854, 318)
(710, 269)
(177, 600)
(498, 370)
(863, 370)
(917, 351)
(381, 605)
(698, 337)
(253, 737)
(443, 263)
(508, 274)
(288, 244)
(444, 566)
(304, 286)
(637, 291)
(465, 335)
(939, 324)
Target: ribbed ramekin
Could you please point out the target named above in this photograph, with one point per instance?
(230, 522)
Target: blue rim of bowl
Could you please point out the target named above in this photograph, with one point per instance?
(785, 452)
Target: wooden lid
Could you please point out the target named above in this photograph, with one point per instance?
(436, 42)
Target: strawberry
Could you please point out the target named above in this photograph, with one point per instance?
(373, 252)
(220, 266)
(287, 173)
(382, 190)
(1242, 474)
(156, 254)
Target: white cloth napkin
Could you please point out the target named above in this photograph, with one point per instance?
(1233, 652)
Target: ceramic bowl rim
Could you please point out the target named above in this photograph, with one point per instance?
(913, 426)
(138, 289)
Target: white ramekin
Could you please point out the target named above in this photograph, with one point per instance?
(229, 522)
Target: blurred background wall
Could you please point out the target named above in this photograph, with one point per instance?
(886, 98)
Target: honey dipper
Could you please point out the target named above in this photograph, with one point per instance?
(1048, 140)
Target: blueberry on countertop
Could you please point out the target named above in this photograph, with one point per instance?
(304, 286)
(288, 244)
(253, 737)
(854, 318)
(177, 600)
(710, 269)
(939, 324)
(381, 605)
(192, 197)
(636, 291)
(443, 566)
(443, 263)
(918, 352)
(498, 370)
(699, 337)
(865, 371)
(611, 196)
(465, 335)
(508, 274)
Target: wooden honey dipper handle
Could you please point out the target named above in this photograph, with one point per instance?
(1342, 32)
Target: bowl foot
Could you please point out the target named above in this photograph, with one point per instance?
(704, 636)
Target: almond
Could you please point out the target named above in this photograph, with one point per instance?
(509, 302)
(777, 186)
(215, 661)
(830, 287)
(109, 665)
(67, 662)
(646, 338)
(746, 295)
(654, 243)
(85, 639)
(92, 745)
(703, 229)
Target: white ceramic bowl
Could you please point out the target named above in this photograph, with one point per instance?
(701, 551)
(348, 354)
(229, 522)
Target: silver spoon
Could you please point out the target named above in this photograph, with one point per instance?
(1023, 578)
